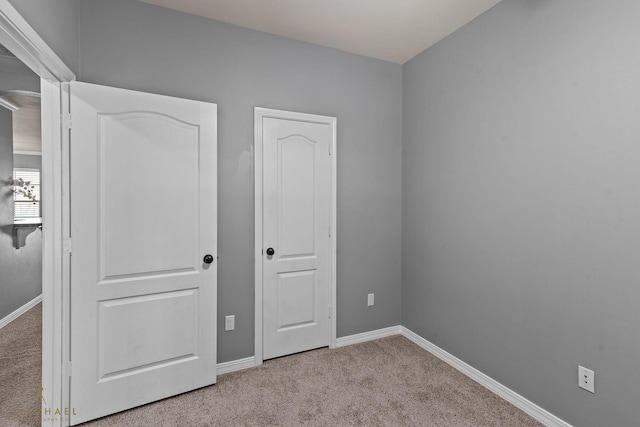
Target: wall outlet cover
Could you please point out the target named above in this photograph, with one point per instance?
(586, 379)
(369, 300)
(229, 323)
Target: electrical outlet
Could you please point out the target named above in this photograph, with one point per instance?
(369, 300)
(586, 379)
(229, 323)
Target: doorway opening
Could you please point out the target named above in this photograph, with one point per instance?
(20, 237)
(23, 42)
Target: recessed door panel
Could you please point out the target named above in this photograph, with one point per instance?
(297, 294)
(146, 332)
(137, 149)
(297, 196)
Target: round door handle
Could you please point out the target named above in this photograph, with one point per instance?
(270, 251)
(208, 259)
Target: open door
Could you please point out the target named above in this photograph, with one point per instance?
(143, 243)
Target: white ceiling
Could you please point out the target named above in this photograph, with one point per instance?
(392, 30)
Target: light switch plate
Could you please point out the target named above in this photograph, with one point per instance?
(369, 300)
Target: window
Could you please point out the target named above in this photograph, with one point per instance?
(23, 206)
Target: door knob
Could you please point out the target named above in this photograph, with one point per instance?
(208, 259)
(270, 251)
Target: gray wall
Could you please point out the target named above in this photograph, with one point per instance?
(521, 201)
(27, 161)
(20, 269)
(137, 46)
(56, 21)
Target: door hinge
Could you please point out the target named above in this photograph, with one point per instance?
(329, 230)
(67, 246)
(330, 148)
(68, 368)
(330, 312)
(66, 120)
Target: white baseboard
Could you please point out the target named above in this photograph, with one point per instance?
(367, 336)
(235, 365)
(20, 311)
(249, 362)
(535, 411)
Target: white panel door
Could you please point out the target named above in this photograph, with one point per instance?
(143, 217)
(296, 219)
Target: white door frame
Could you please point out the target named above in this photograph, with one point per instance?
(23, 41)
(259, 115)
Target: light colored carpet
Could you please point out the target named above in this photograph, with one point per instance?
(386, 382)
(21, 370)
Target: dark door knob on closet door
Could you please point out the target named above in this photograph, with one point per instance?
(208, 259)
(270, 251)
